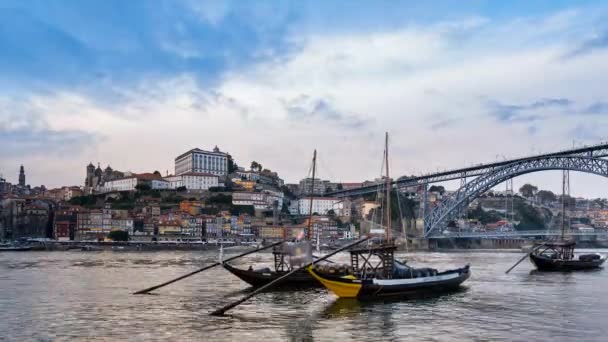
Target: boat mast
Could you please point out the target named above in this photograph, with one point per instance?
(388, 191)
(565, 190)
(312, 195)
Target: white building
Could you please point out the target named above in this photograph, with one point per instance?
(159, 184)
(200, 161)
(193, 181)
(320, 205)
(123, 184)
(256, 199)
(259, 200)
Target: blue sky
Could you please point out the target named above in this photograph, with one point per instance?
(134, 83)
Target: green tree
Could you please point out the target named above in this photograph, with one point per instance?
(254, 165)
(340, 186)
(528, 190)
(143, 187)
(529, 218)
(437, 188)
(118, 235)
(546, 196)
(157, 173)
(181, 189)
(484, 217)
(232, 166)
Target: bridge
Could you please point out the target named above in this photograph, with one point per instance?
(594, 151)
(479, 179)
(517, 234)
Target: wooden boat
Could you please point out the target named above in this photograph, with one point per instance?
(15, 249)
(282, 266)
(388, 278)
(559, 256)
(374, 272)
(261, 277)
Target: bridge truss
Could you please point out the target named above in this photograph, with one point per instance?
(437, 219)
(594, 151)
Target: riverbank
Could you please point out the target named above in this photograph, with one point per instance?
(131, 246)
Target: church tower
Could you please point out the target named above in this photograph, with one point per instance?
(21, 176)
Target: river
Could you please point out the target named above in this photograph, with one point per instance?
(87, 296)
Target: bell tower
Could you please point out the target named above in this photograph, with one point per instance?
(21, 176)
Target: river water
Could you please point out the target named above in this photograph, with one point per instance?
(47, 296)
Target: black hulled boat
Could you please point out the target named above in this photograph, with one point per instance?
(263, 276)
(559, 256)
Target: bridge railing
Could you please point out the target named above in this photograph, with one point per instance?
(512, 234)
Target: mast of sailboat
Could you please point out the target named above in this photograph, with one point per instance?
(312, 195)
(388, 190)
(565, 190)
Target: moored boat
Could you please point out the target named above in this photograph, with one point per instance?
(386, 277)
(559, 256)
(263, 276)
(15, 249)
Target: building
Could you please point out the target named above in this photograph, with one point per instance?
(271, 232)
(96, 177)
(96, 224)
(64, 193)
(259, 200)
(199, 161)
(306, 184)
(21, 176)
(65, 221)
(5, 187)
(320, 205)
(193, 181)
(153, 180)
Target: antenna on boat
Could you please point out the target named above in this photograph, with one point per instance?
(565, 191)
(388, 191)
(312, 195)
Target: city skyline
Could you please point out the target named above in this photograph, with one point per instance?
(455, 84)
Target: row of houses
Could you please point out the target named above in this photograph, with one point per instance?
(80, 224)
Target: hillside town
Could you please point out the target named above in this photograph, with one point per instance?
(210, 198)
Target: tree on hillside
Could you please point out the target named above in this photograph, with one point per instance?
(143, 187)
(529, 218)
(528, 190)
(340, 187)
(157, 173)
(232, 167)
(437, 188)
(546, 196)
(570, 202)
(255, 166)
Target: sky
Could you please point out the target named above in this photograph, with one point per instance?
(133, 84)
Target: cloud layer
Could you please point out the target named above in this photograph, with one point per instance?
(134, 84)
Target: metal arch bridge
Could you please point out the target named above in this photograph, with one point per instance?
(436, 219)
(594, 151)
(517, 234)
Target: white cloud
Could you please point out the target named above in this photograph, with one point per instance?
(428, 86)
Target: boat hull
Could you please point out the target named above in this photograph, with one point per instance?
(15, 249)
(350, 287)
(557, 265)
(300, 279)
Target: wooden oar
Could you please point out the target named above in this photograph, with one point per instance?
(150, 289)
(222, 311)
(524, 257)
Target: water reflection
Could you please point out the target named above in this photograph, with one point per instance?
(50, 296)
